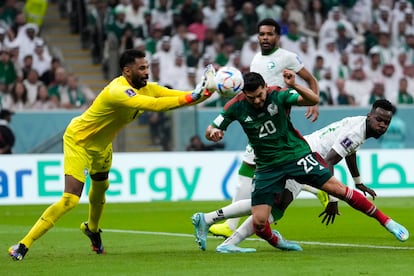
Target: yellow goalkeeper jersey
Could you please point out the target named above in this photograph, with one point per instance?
(117, 105)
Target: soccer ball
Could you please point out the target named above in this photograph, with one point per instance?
(229, 81)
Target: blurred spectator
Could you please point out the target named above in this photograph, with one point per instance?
(7, 138)
(387, 52)
(404, 97)
(8, 73)
(384, 19)
(284, 22)
(27, 66)
(390, 80)
(315, 15)
(307, 51)
(17, 99)
(212, 14)
(356, 51)
(166, 58)
(327, 89)
(25, 40)
(342, 39)
(180, 40)
(177, 72)
(359, 86)
(48, 77)
(59, 85)
(35, 11)
(374, 67)
(248, 17)
(344, 69)
(31, 83)
(291, 40)
(43, 100)
(239, 37)
(224, 55)
(18, 23)
(328, 29)
(4, 39)
(268, 9)
(197, 27)
(41, 57)
(194, 53)
(189, 82)
(162, 16)
(211, 43)
(327, 48)
(226, 27)
(249, 49)
(154, 76)
(76, 95)
(134, 15)
(318, 66)
(8, 12)
(96, 14)
(196, 144)
(377, 93)
(343, 97)
(371, 36)
(189, 10)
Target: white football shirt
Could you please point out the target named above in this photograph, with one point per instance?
(344, 136)
(271, 66)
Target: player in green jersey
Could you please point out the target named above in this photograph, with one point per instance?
(282, 153)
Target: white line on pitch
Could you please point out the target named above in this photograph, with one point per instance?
(257, 239)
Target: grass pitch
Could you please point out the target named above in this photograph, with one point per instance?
(157, 239)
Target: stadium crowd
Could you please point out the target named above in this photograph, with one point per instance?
(31, 78)
(358, 50)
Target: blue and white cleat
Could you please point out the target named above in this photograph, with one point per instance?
(230, 248)
(286, 245)
(399, 231)
(200, 230)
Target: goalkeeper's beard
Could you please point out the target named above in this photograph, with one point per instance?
(138, 82)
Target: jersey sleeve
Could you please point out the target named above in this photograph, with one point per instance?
(150, 98)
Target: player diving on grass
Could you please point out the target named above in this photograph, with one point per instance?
(282, 154)
(87, 142)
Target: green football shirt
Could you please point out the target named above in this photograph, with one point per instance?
(269, 130)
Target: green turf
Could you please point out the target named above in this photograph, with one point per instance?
(354, 245)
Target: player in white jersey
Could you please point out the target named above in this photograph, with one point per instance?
(270, 62)
(338, 140)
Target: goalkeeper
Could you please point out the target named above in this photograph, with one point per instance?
(87, 142)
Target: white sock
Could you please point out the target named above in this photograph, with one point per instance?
(243, 191)
(244, 231)
(236, 209)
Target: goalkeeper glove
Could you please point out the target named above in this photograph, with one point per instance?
(206, 87)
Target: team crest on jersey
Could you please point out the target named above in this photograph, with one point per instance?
(271, 65)
(272, 109)
(130, 92)
(346, 143)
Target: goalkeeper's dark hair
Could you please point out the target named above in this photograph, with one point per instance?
(252, 81)
(384, 104)
(269, 22)
(128, 57)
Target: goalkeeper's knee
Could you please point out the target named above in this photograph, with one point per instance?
(69, 201)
